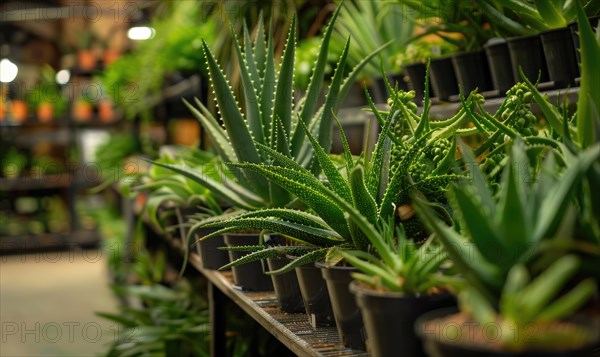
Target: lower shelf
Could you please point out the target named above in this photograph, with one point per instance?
(293, 330)
(48, 241)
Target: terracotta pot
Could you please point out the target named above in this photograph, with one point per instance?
(86, 60)
(19, 111)
(45, 112)
(110, 56)
(105, 111)
(82, 111)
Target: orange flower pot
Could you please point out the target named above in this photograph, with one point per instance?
(19, 111)
(45, 112)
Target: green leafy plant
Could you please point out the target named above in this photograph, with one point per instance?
(172, 322)
(527, 18)
(529, 311)
(135, 80)
(270, 120)
(404, 267)
(350, 203)
(538, 210)
(47, 91)
(371, 24)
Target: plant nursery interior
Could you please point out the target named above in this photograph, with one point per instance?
(384, 178)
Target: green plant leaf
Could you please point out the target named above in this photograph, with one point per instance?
(569, 303)
(550, 14)
(314, 86)
(233, 119)
(336, 181)
(588, 103)
(284, 92)
(253, 115)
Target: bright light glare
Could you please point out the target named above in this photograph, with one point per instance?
(8, 71)
(140, 33)
(63, 76)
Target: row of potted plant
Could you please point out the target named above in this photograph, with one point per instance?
(493, 39)
(511, 212)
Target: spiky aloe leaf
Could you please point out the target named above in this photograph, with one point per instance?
(363, 200)
(315, 255)
(398, 180)
(347, 154)
(216, 133)
(588, 103)
(250, 59)
(290, 215)
(281, 160)
(336, 180)
(479, 224)
(549, 216)
(299, 232)
(504, 21)
(232, 117)
(377, 176)
(279, 196)
(253, 116)
(482, 275)
(314, 86)
(267, 92)
(333, 97)
(284, 92)
(511, 207)
(308, 189)
(272, 252)
(260, 49)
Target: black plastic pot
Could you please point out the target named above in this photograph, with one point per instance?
(347, 314)
(472, 71)
(248, 276)
(211, 257)
(560, 56)
(443, 79)
(315, 296)
(527, 52)
(498, 58)
(435, 347)
(574, 27)
(416, 79)
(390, 319)
(286, 286)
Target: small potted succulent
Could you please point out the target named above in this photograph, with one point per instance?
(397, 282)
(497, 259)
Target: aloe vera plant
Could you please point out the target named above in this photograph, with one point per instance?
(270, 119)
(348, 209)
(500, 232)
(405, 267)
(529, 310)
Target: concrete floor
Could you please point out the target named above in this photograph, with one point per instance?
(47, 304)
